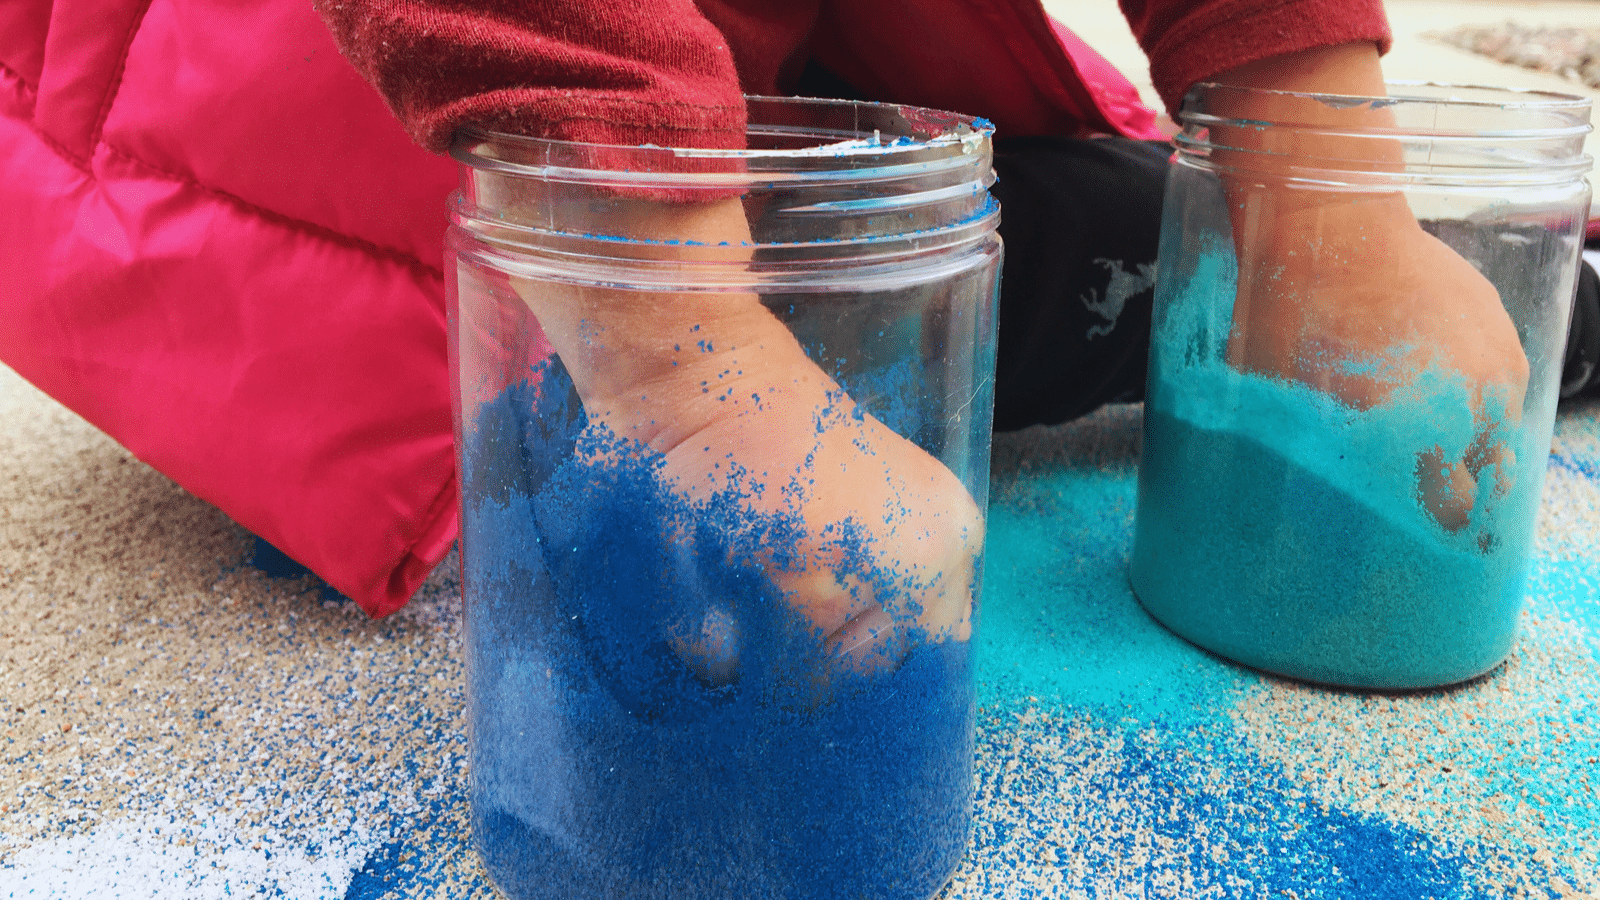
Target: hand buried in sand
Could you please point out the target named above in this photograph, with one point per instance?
(1344, 290)
(721, 389)
(1355, 299)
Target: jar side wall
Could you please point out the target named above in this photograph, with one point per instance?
(580, 573)
(1292, 530)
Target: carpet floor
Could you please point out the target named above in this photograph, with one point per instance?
(184, 716)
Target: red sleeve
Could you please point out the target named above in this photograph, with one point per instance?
(598, 71)
(1191, 40)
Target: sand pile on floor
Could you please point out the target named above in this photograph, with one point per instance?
(1572, 53)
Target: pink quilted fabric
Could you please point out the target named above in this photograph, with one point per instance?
(226, 254)
(223, 250)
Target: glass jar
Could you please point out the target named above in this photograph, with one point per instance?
(723, 433)
(1360, 312)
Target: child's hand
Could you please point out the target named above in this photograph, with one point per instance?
(1344, 291)
(856, 486)
(719, 387)
(1354, 298)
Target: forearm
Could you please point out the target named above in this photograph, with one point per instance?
(582, 70)
(1190, 41)
(1283, 133)
(1352, 69)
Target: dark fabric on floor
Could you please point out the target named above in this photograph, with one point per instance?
(1580, 371)
(1080, 220)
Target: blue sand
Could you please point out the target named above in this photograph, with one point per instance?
(1233, 828)
(1062, 633)
(1060, 625)
(274, 562)
(605, 765)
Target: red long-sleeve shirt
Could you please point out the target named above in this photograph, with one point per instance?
(638, 71)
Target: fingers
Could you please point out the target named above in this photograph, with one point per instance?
(1450, 489)
(867, 641)
(1447, 490)
(710, 648)
(890, 551)
(874, 542)
(930, 605)
(1490, 456)
(868, 610)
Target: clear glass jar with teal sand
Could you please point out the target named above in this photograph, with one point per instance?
(723, 422)
(1360, 314)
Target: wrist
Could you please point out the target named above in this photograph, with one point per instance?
(1280, 120)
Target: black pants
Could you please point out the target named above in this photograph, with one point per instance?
(1080, 219)
(1580, 371)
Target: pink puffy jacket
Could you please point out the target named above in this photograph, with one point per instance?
(226, 254)
(220, 248)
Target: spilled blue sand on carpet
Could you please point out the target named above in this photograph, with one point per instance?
(1169, 817)
(407, 865)
(1558, 740)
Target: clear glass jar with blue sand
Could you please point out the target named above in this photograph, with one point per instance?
(723, 430)
(1361, 309)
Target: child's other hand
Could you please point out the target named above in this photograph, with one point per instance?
(1344, 291)
(1354, 298)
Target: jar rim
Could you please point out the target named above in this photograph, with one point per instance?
(1430, 133)
(810, 140)
(1533, 99)
(858, 177)
(1509, 111)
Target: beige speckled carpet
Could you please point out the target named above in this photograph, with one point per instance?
(177, 723)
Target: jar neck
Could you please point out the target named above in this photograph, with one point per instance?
(1418, 133)
(813, 171)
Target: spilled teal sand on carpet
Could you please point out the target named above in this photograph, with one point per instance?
(1209, 779)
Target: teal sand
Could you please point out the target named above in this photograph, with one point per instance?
(1283, 529)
